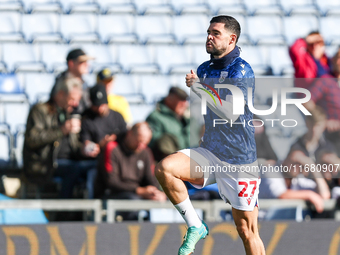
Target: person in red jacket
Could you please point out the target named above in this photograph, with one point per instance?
(309, 59)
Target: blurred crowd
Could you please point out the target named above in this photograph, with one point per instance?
(85, 135)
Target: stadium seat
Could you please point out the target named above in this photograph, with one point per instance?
(104, 57)
(54, 56)
(329, 28)
(227, 6)
(37, 85)
(16, 114)
(263, 7)
(299, 7)
(126, 84)
(41, 27)
(174, 59)
(5, 148)
(90, 79)
(270, 32)
(257, 58)
(123, 30)
(280, 61)
(3, 67)
(154, 29)
(10, 5)
(79, 6)
(190, 6)
(22, 58)
(199, 54)
(191, 29)
(10, 27)
(158, 7)
(11, 89)
(141, 111)
(179, 81)
(79, 28)
(299, 26)
(329, 7)
(117, 6)
(137, 59)
(19, 138)
(154, 87)
(32, 6)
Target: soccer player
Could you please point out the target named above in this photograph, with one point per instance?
(229, 145)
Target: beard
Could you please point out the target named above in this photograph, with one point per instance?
(214, 51)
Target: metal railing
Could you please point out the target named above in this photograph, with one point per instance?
(211, 209)
(56, 205)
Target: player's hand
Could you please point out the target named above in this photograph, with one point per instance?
(191, 78)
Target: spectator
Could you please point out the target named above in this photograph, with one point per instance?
(77, 66)
(309, 59)
(116, 103)
(170, 127)
(51, 146)
(325, 92)
(100, 125)
(273, 184)
(127, 169)
(311, 149)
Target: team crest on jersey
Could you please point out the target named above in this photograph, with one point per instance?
(224, 75)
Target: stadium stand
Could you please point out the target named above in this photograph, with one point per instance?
(149, 45)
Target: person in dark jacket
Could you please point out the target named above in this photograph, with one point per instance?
(126, 171)
(51, 146)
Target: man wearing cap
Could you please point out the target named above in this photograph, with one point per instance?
(116, 103)
(100, 124)
(170, 127)
(77, 66)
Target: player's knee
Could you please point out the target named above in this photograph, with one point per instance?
(163, 168)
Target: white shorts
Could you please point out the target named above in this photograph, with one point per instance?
(237, 184)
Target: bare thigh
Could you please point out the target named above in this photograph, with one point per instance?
(183, 167)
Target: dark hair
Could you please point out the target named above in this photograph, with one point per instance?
(316, 32)
(230, 24)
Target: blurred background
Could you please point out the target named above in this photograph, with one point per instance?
(149, 45)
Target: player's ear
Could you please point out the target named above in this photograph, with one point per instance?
(233, 39)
